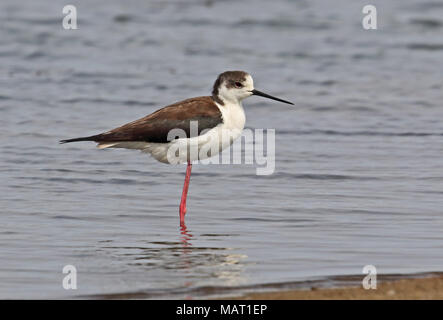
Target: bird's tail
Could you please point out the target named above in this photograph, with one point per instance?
(90, 138)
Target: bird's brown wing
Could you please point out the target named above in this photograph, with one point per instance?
(156, 126)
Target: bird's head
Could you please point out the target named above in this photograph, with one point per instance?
(234, 86)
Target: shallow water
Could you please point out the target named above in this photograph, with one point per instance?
(359, 170)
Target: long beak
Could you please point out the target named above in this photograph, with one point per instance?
(262, 94)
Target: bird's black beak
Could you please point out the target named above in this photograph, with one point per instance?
(262, 94)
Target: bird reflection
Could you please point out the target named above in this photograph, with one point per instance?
(191, 260)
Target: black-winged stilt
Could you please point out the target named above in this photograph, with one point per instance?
(214, 117)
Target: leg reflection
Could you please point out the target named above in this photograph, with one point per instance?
(185, 237)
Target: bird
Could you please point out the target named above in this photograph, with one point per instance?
(205, 125)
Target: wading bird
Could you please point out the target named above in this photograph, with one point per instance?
(170, 129)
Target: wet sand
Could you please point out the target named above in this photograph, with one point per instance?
(412, 289)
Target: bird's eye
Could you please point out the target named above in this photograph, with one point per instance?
(238, 84)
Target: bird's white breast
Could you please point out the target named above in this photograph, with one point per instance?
(218, 138)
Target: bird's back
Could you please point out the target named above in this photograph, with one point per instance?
(156, 126)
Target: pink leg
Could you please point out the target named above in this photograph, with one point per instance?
(185, 194)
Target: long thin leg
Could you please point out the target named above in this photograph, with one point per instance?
(185, 193)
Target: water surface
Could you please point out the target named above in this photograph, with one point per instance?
(359, 170)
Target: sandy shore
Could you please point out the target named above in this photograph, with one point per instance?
(418, 288)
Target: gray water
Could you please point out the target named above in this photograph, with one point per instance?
(359, 159)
